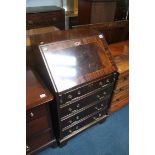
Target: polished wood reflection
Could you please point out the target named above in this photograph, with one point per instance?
(74, 62)
(113, 31)
(120, 52)
(36, 91)
(38, 31)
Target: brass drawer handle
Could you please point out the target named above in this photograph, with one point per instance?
(107, 80)
(79, 92)
(27, 148)
(99, 115)
(70, 109)
(77, 43)
(97, 108)
(70, 96)
(77, 117)
(31, 114)
(104, 92)
(94, 118)
(70, 121)
(100, 83)
(78, 105)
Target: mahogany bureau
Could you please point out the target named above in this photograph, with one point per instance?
(39, 130)
(120, 52)
(43, 16)
(77, 67)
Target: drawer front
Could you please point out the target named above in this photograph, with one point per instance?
(121, 89)
(89, 119)
(45, 19)
(121, 84)
(77, 93)
(38, 142)
(103, 105)
(120, 96)
(85, 102)
(36, 113)
(37, 125)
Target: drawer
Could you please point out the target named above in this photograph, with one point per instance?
(93, 99)
(36, 112)
(37, 125)
(118, 97)
(121, 89)
(84, 122)
(103, 105)
(37, 142)
(121, 84)
(90, 87)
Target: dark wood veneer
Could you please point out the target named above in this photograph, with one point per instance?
(39, 130)
(40, 142)
(34, 88)
(113, 31)
(37, 125)
(37, 17)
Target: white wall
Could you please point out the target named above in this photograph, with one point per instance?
(31, 3)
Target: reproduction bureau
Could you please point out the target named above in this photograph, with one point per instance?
(120, 52)
(39, 130)
(37, 17)
(77, 67)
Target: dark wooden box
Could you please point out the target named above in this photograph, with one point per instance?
(77, 67)
(37, 17)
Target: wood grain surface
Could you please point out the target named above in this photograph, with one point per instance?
(120, 52)
(38, 31)
(36, 91)
(113, 31)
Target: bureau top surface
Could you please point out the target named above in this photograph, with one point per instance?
(120, 52)
(36, 91)
(42, 9)
(55, 36)
(78, 60)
